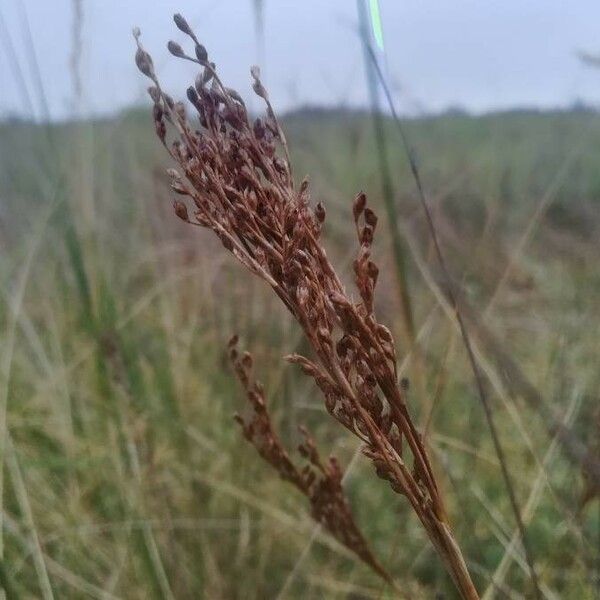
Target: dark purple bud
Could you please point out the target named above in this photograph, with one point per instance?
(182, 24)
(175, 49)
(201, 53)
(192, 95)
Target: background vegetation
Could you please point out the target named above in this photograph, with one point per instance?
(124, 475)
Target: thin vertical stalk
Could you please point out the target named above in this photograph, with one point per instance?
(259, 30)
(387, 185)
(389, 199)
(452, 294)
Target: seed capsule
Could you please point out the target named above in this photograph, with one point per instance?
(144, 63)
(359, 205)
(182, 24)
(201, 53)
(320, 212)
(175, 49)
(181, 210)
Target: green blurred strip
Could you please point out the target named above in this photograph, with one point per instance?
(376, 23)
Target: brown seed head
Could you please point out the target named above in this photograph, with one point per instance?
(320, 212)
(238, 175)
(370, 218)
(181, 210)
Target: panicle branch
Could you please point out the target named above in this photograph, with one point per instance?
(319, 480)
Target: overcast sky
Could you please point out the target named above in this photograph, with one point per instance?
(477, 54)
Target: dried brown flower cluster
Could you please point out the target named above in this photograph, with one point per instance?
(237, 177)
(320, 482)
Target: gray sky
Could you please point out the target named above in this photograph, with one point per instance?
(477, 54)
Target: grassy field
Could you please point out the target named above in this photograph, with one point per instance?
(124, 475)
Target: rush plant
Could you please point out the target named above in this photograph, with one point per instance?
(235, 177)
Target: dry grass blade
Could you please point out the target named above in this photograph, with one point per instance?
(9, 348)
(235, 179)
(22, 496)
(529, 509)
(56, 568)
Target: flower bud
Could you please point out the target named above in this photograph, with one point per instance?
(320, 212)
(201, 53)
(175, 49)
(192, 95)
(144, 62)
(182, 24)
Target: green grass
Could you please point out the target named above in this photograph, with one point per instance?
(124, 475)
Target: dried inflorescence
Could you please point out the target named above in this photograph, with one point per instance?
(320, 481)
(235, 178)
